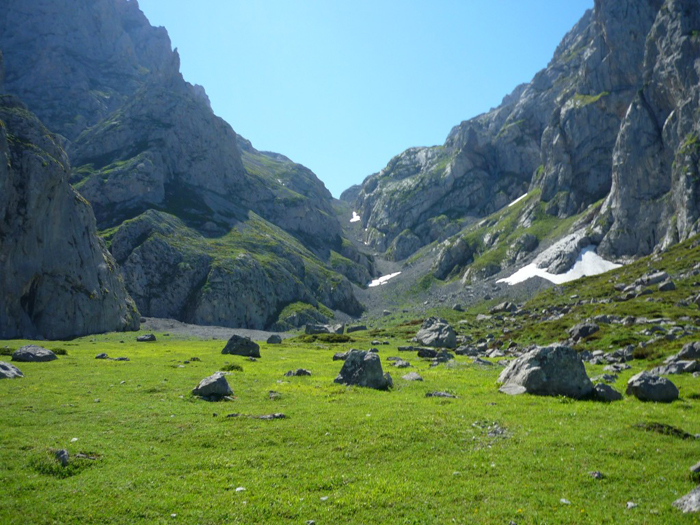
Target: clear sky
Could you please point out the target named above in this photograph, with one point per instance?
(342, 86)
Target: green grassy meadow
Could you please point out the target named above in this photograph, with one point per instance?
(342, 455)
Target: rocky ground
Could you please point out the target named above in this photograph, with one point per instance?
(154, 324)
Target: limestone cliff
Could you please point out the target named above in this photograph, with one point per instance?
(148, 152)
(57, 279)
(625, 76)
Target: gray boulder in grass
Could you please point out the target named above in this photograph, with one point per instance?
(437, 333)
(364, 369)
(238, 345)
(213, 388)
(649, 387)
(690, 502)
(33, 354)
(8, 371)
(554, 370)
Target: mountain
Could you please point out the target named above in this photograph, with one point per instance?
(57, 278)
(205, 228)
(604, 142)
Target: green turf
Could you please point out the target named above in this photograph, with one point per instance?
(378, 457)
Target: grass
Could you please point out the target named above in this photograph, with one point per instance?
(342, 455)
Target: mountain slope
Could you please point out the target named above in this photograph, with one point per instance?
(611, 117)
(147, 147)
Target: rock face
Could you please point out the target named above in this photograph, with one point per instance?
(238, 345)
(57, 279)
(33, 354)
(648, 387)
(364, 369)
(159, 167)
(8, 371)
(438, 333)
(611, 118)
(553, 370)
(213, 388)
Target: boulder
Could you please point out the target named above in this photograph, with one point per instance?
(605, 392)
(274, 339)
(102, 356)
(213, 388)
(357, 328)
(583, 330)
(677, 367)
(412, 376)
(690, 502)
(401, 364)
(364, 369)
(649, 387)
(506, 307)
(148, 338)
(238, 345)
(554, 370)
(33, 354)
(298, 373)
(667, 286)
(8, 371)
(688, 352)
(437, 332)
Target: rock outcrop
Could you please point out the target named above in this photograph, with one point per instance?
(57, 279)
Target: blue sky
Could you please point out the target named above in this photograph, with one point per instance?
(342, 86)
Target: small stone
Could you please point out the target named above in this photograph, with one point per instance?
(565, 501)
(441, 394)
(596, 474)
(324, 498)
(73, 440)
(62, 457)
(147, 338)
(412, 376)
(102, 356)
(240, 489)
(631, 505)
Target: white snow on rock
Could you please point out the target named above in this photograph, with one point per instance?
(516, 201)
(355, 217)
(383, 279)
(587, 263)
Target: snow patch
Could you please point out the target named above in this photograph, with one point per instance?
(587, 263)
(355, 217)
(383, 279)
(516, 201)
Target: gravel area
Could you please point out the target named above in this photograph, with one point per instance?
(153, 324)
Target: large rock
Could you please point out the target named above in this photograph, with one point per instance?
(690, 502)
(33, 354)
(677, 367)
(57, 279)
(437, 333)
(238, 345)
(554, 370)
(8, 371)
(583, 330)
(690, 351)
(213, 388)
(364, 369)
(649, 387)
